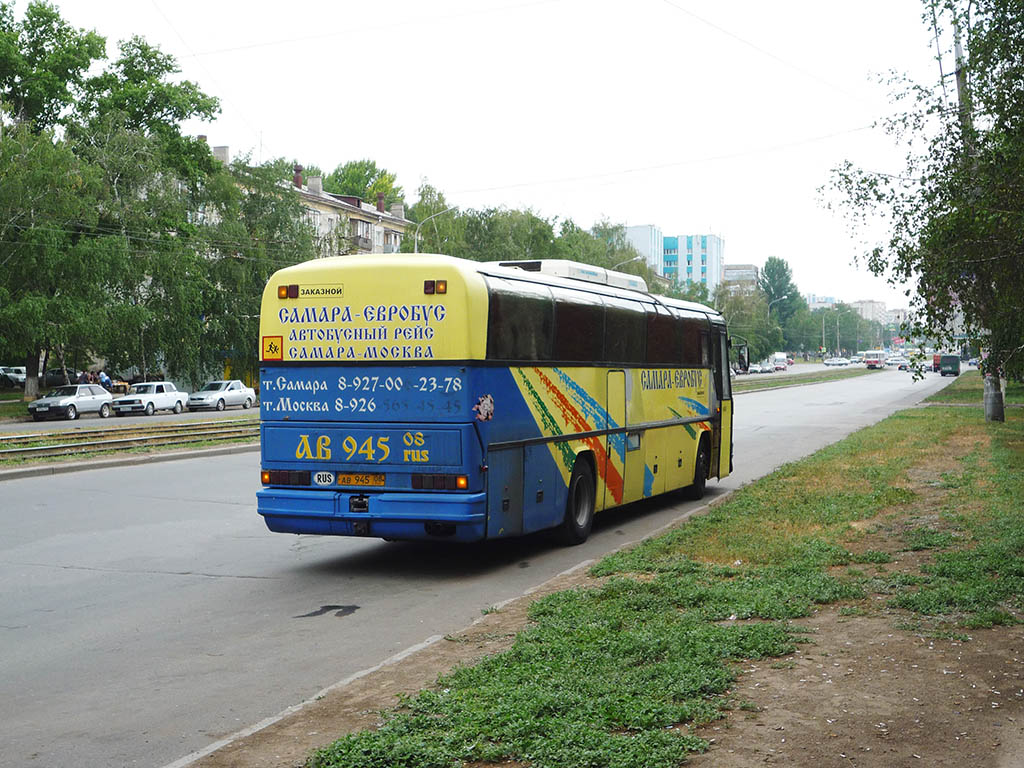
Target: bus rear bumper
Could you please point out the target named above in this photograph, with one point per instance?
(450, 517)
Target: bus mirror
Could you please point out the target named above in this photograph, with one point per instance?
(743, 358)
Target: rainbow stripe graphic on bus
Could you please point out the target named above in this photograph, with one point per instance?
(559, 414)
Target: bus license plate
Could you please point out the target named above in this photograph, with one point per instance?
(374, 479)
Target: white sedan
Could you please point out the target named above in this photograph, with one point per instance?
(220, 394)
(149, 397)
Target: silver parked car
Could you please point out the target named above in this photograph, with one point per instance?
(69, 401)
(220, 394)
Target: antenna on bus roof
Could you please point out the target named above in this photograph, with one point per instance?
(575, 270)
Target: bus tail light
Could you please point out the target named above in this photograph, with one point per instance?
(285, 477)
(440, 482)
(431, 287)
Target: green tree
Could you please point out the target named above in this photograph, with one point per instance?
(441, 228)
(954, 217)
(138, 88)
(691, 291)
(746, 315)
(52, 269)
(499, 234)
(776, 282)
(43, 63)
(363, 179)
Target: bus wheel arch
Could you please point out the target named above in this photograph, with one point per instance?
(580, 501)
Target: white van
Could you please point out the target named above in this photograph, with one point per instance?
(779, 361)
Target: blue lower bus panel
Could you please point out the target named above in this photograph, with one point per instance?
(452, 517)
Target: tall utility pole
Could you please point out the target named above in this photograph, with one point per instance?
(993, 392)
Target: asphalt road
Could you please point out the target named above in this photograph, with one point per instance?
(146, 612)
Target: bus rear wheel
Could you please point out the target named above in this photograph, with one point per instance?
(579, 506)
(695, 492)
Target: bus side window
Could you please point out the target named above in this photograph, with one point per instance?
(664, 336)
(625, 331)
(520, 320)
(579, 326)
(693, 325)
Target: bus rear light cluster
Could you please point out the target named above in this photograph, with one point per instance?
(288, 291)
(285, 477)
(435, 286)
(440, 482)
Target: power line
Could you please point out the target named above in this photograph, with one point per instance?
(762, 51)
(373, 27)
(674, 164)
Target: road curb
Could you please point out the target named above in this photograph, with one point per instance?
(122, 461)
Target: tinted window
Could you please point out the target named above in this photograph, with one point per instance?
(520, 320)
(693, 324)
(579, 326)
(664, 336)
(625, 331)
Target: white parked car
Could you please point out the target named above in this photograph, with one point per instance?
(150, 397)
(837, 361)
(12, 375)
(69, 401)
(220, 394)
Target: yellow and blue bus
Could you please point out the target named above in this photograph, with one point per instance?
(428, 397)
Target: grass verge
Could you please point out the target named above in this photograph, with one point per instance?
(770, 381)
(922, 508)
(969, 387)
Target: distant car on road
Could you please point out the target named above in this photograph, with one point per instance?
(949, 365)
(220, 394)
(55, 377)
(69, 401)
(837, 361)
(900, 363)
(149, 397)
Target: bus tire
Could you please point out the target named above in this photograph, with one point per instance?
(695, 492)
(579, 505)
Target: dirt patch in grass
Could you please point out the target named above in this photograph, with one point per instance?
(863, 693)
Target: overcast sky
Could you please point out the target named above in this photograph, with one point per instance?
(692, 115)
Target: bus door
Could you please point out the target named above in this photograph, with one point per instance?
(723, 386)
(615, 442)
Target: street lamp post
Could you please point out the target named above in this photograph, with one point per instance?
(416, 236)
(768, 314)
(627, 261)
